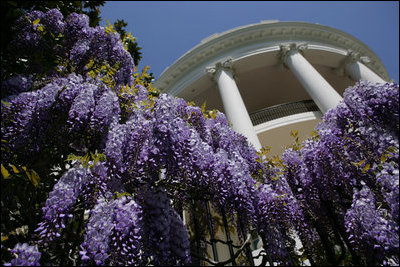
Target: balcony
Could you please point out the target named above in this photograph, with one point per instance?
(282, 110)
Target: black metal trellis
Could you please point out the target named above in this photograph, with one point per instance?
(212, 233)
(247, 246)
(196, 260)
(198, 255)
(228, 236)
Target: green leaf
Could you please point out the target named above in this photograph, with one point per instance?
(7, 104)
(71, 157)
(35, 178)
(85, 160)
(122, 194)
(32, 176)
(366, 167)
(35, 22)
(3, 237)
(203, 107)
(15, 169)
(40, 28)
(95, 161)
(359, 163)
(4, 172)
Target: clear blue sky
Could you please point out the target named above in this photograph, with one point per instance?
(167, 29)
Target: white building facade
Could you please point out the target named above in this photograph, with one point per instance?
(272, 77)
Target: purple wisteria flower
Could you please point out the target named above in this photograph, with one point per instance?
(126, 245)
(58, 206)
(26, 255)
(179, 241)
(76, 26)
(373, 232)
(357, 144)
(53, 21)
(29, 38)
(29, 115)
(99, 228)
(388, 177)
(165, 238)
(73, 43)
(106, 112)
(16, 85)
(82, 108)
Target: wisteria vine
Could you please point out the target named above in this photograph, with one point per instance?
(120, 164)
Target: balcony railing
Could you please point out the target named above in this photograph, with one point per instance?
(282, 110)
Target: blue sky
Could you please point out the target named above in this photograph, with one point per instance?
(167, 29)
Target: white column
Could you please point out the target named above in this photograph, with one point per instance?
(323, 94)
(234, 107)
(358, 71)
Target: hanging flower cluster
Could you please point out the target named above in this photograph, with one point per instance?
(346, 178)
(52, 47)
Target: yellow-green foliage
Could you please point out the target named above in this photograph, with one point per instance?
(20, 172)
(87, 160)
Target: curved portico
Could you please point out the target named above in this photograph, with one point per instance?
(268, 66)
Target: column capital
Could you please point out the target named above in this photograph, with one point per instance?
(286, 49)
(356, 66)
(227, 64)
(351, 57)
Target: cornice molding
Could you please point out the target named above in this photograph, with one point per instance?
(272, 34)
